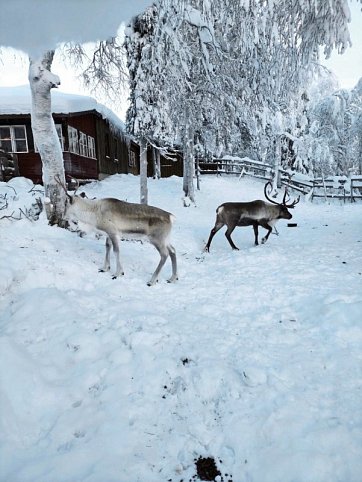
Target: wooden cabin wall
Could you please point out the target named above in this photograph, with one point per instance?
(116, 153)
(80, 167)
(83, 122)
(172, 165)
(112, 150)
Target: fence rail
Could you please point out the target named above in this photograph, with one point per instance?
(337, 187)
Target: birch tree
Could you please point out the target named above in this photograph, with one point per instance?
(42, 80)
(169, 67)
(105, 72)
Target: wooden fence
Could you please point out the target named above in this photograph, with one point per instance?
(337, 187)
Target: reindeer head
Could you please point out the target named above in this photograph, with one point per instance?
(283, 206)
(74, 202)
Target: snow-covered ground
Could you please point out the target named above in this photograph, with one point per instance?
(253, 357)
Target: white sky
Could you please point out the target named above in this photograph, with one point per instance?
(348, 67)
(14, 65)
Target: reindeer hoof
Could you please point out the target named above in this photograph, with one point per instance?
(172, 280)
(151, 283)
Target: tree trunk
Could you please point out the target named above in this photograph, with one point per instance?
(45, 136)
(197, 174)
(143, 171)
(156, 163)
(277, 153)
(188, 162)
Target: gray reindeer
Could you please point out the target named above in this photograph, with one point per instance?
(115, 217)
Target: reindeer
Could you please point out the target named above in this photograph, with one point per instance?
(115, 217)
(255, 213)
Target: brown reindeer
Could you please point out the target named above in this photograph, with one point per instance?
(255, 213)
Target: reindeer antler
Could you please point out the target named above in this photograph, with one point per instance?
(292, 204)
(266, 194)
(286, 197)
(57, 178)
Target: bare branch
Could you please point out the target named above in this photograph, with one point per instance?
(107, 70)
(10, 216)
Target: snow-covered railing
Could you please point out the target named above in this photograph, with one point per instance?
(337, 187)
(236, 165)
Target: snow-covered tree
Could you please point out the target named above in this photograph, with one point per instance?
(356, 127)
(331, 142)
(105, 71)
(42, 80)
(168, 61)
(215, 71)
(106, 68)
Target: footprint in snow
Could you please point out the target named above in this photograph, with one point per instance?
(252, 377)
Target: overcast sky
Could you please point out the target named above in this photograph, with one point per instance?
(348, 66)
(14, 66)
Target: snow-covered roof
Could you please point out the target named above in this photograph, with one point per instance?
(17, 100)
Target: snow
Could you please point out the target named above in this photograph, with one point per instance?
(253, 357)
(17, 100)
(52, 22)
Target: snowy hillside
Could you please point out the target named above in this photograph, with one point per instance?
(253, 358)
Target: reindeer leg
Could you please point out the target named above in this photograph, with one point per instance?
(228, 232)
(107, 262)
(164, 255)
(269, 229)
(172, 253)
(256, 232)
(115, 244)
(214, 230)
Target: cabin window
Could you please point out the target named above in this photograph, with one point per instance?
(13, 138)
(83, 145)
(132, 159)
(73, 140)
(58, 128)
(91, 147)
(106, 146)
(115, 144)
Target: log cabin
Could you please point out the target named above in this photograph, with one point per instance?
(93, 138)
